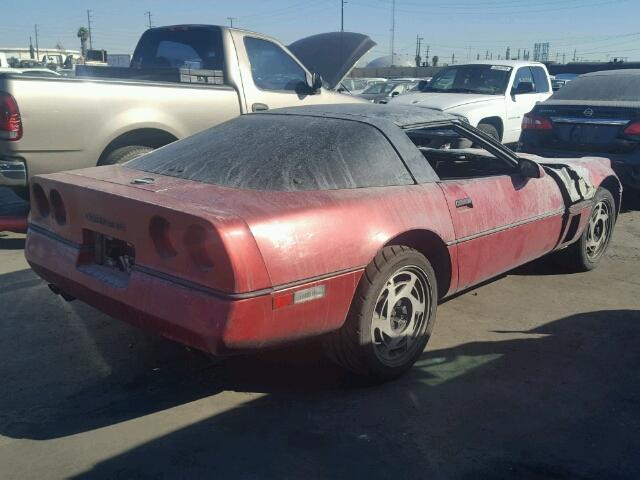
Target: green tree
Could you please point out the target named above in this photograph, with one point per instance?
(83, 35)
(434, 61)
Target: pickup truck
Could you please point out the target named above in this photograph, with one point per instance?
(182, 79)
(492, 95)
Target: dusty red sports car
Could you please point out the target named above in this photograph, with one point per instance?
(347, 222)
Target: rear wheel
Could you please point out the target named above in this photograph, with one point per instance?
(124, 154)
(586, 253)
(391, 317)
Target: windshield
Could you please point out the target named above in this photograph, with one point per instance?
(616, 87)
(379, 88)
(480, 78)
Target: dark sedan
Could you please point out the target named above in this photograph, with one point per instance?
(597, 114)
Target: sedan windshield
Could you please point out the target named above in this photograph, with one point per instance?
(478, 78)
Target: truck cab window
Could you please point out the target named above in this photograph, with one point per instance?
(523, 75)
(454, 154)
(272, 68)
(183, 47)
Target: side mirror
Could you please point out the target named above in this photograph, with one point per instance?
(528, 168)
(314, 83)
(523, 87)
(395, 94)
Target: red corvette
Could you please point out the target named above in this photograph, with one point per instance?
(349, 222)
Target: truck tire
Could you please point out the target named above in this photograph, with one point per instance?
(585, 254)
(490, 130)
(381, 341)
(124, 154)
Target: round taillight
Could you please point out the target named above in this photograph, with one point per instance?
(160, 232)
(40, 200)
(195, 239)
(59, 212)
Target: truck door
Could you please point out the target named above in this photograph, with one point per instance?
(520, 100)
(271, 76)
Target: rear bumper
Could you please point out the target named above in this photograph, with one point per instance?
(627, 167)
(13, 172)
(211, 321)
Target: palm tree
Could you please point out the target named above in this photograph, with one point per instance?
(83, 35)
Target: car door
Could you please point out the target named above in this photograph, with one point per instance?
(501, 219)
(520, 100)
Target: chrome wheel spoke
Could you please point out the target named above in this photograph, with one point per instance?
(400, 314)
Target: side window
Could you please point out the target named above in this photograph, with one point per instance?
(540, 80)
(454, 154)
(523, 75)
(271, 67)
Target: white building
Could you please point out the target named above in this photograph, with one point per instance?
(24, 54)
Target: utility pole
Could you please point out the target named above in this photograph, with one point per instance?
(453, 58)
(563, 54)
(148, 14)
(231, 19)
(89, 25)
(342, 2)
(418, 48)
(393, 32)
(37, 50)
(574, 54)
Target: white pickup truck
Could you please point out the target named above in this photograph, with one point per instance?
(491, 95)
(182, 79)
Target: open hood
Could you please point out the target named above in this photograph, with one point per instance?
(333, 54)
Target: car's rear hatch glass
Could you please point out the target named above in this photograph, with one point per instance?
(282, 152)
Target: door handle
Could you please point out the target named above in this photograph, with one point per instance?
(464, 202)
(259, 107)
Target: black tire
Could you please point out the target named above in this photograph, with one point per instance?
(490, 130)
(124, 154)
(579, 256)
(357, 345)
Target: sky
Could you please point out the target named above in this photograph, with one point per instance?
(596, 29)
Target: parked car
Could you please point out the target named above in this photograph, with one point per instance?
(596, 114)
(355, 86)
(349, 222)
(4, 63)
(560, 80)
(184, 79)
(492, 95)
(382, 92)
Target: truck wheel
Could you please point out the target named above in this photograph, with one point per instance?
(391, 316)
(490, 130)
(124, 154)
(588, 250)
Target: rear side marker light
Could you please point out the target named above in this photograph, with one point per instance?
(301, 296)
(59, 212)
(40, 200)
(536, 122)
